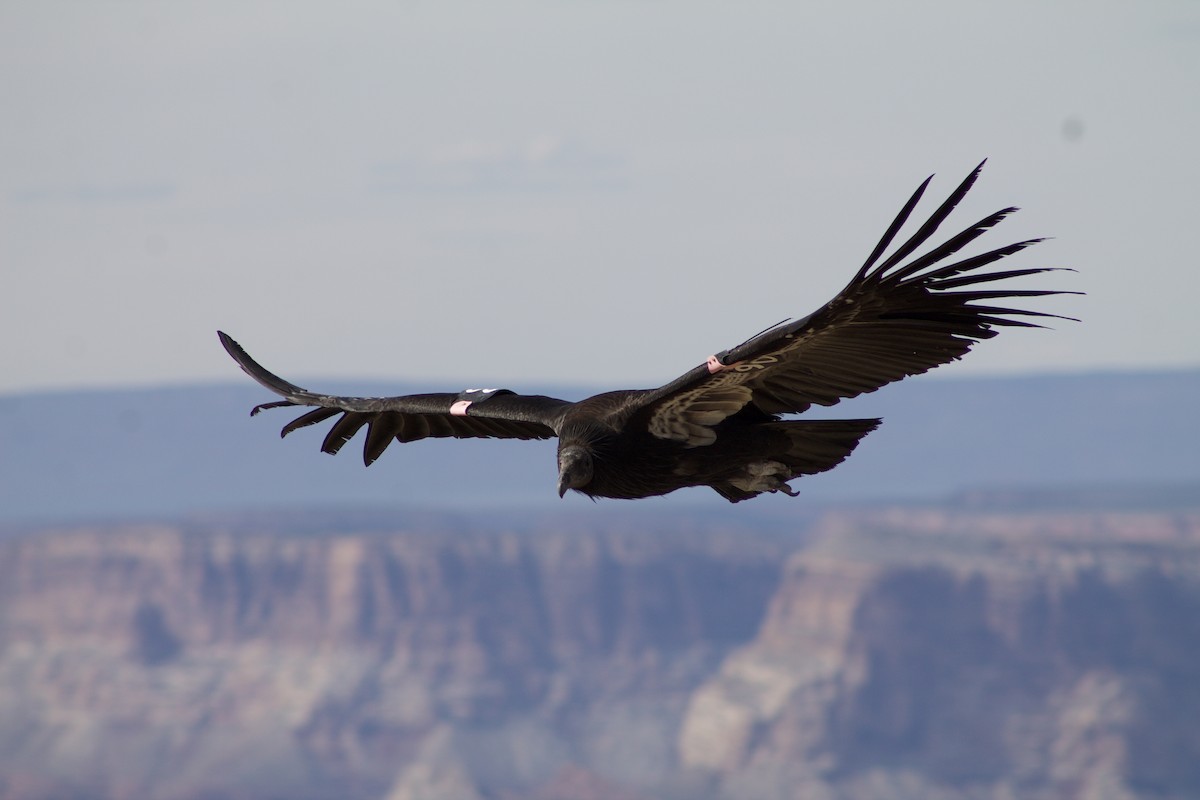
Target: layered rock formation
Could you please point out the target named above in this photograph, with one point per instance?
(156, 663)
(924, 654)
(896, 654)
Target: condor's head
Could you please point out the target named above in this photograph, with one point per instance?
(574, 468)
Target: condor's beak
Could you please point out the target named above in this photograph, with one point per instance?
(562, 485)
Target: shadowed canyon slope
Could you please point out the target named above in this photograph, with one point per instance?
(895, 653)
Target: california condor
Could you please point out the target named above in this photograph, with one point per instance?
(720, 424)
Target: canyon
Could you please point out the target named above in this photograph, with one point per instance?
(967, 650)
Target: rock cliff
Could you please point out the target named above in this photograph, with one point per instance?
(154, 662)
(926, 654)
(894, 653)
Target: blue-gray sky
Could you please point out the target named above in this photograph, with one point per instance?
(600, 192)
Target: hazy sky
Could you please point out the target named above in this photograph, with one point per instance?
(525, 193)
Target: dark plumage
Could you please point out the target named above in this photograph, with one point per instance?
(719, 424)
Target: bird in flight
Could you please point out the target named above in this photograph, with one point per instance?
(720, 424)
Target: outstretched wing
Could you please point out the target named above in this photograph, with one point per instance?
(483, 413)
(891, 321)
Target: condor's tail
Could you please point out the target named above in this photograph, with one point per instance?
(797, 448)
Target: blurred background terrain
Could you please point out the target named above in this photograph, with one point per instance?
(123, 453)
(1000, 598)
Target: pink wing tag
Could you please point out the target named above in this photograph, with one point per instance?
(714, 365)
(468, 397)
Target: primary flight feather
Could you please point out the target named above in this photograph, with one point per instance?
(719, 424)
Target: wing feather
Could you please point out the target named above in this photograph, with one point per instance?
(380, 431)
(304, 420)
(894, 319)
(890, 234)
(405, 418)
(935, 220)
(343, 431)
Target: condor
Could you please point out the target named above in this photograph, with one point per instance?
(721, 423)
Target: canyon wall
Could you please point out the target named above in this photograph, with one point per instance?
(143, 662)
(925, 654)
(894, 653)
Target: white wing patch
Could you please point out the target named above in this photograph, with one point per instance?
(690, 418)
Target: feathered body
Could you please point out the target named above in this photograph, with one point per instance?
(720, 424)
(751, 452)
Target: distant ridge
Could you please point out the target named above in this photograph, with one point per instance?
(175, 450)
(1100, 497)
